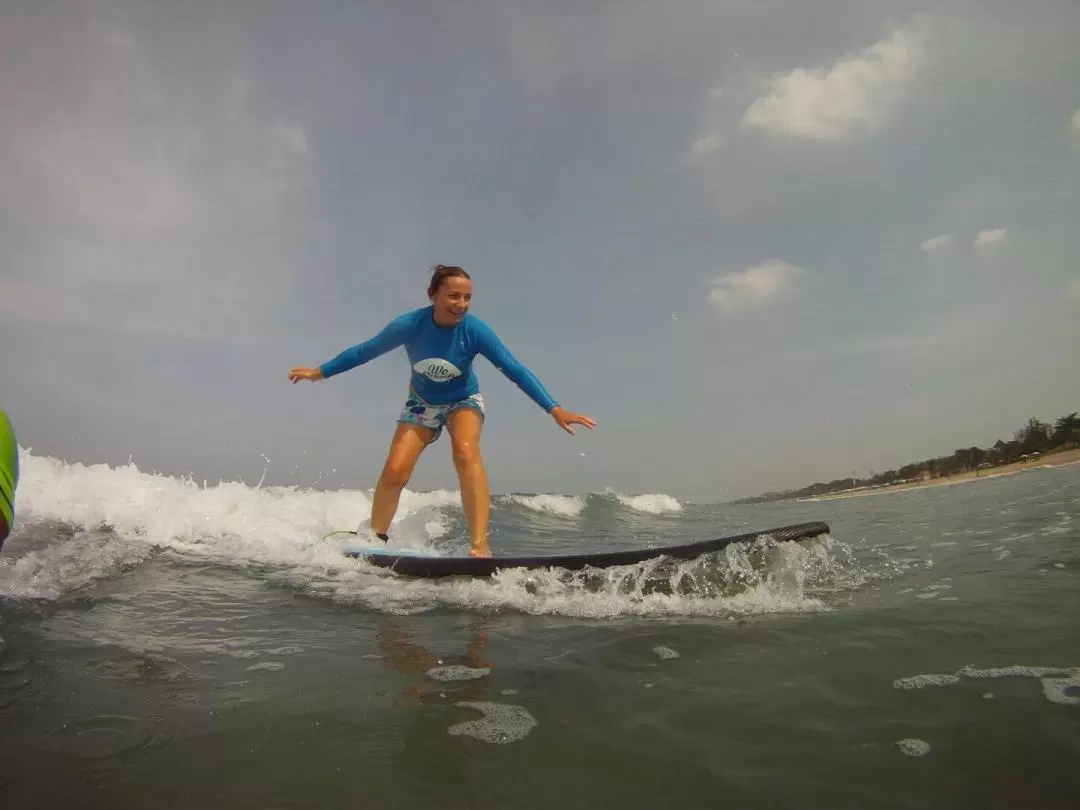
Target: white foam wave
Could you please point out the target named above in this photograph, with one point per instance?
(268, 666)
(913, 747)
(457, 673)
(52, 571)
(1060, 690)
(734, 582)
(1057, 683)
(277, 534)
(502, 723)
(655, 503)
(919, 681)
(565, 505)
(131, 513)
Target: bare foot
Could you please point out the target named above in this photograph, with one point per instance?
(480, 550)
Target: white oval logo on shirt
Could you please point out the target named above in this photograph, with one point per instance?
(437, 370)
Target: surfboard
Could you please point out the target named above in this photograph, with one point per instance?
(420, 564)
(9, 475)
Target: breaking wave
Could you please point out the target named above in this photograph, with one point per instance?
(80, 524)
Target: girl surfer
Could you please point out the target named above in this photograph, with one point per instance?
(441, 341)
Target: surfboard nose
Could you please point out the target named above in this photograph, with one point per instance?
(9, 475)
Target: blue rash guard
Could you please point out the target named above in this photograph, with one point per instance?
(441, 357)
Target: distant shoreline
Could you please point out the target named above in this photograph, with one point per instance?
(1059, 459)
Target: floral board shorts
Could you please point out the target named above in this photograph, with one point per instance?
(417, 411)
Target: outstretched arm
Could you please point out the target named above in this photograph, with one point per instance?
(493, 349)
(392, 335)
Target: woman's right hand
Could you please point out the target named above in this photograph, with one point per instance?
(303, 373)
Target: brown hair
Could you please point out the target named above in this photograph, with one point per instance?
(444, 271)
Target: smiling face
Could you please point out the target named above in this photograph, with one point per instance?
(452, 300)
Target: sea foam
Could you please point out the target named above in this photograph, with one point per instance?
(79, 524)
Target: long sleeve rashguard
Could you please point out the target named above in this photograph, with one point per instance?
(442, 357)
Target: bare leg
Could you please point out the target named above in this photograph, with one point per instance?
(408, 443)
(465, 426)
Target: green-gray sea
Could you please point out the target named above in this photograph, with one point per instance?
(168, 644)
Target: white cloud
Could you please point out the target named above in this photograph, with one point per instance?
(707, 144)
(853, 96)
(1075, 122)
(1073, 290)
(986, 242)
(290, 139)
(754, 286)
(937, 244)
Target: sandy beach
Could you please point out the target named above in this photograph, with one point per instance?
(1057, 459)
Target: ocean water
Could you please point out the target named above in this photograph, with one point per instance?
(169, 643)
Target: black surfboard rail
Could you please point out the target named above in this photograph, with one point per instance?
(418, 566)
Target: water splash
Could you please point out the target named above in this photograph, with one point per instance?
(737, 581)
(655, 503)
(564, 505)
(82, 524)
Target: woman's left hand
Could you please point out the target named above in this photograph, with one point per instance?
(567, 418)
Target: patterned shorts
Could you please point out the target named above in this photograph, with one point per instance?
(419, 412)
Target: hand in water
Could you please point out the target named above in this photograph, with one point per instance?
(565, 418)
(303, 373)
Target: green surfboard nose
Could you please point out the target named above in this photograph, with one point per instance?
(9, 475)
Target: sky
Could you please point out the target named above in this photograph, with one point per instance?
(761, 243)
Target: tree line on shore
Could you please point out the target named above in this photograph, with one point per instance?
(1034, 438)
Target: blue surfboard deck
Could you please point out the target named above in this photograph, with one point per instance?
(418, 564)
